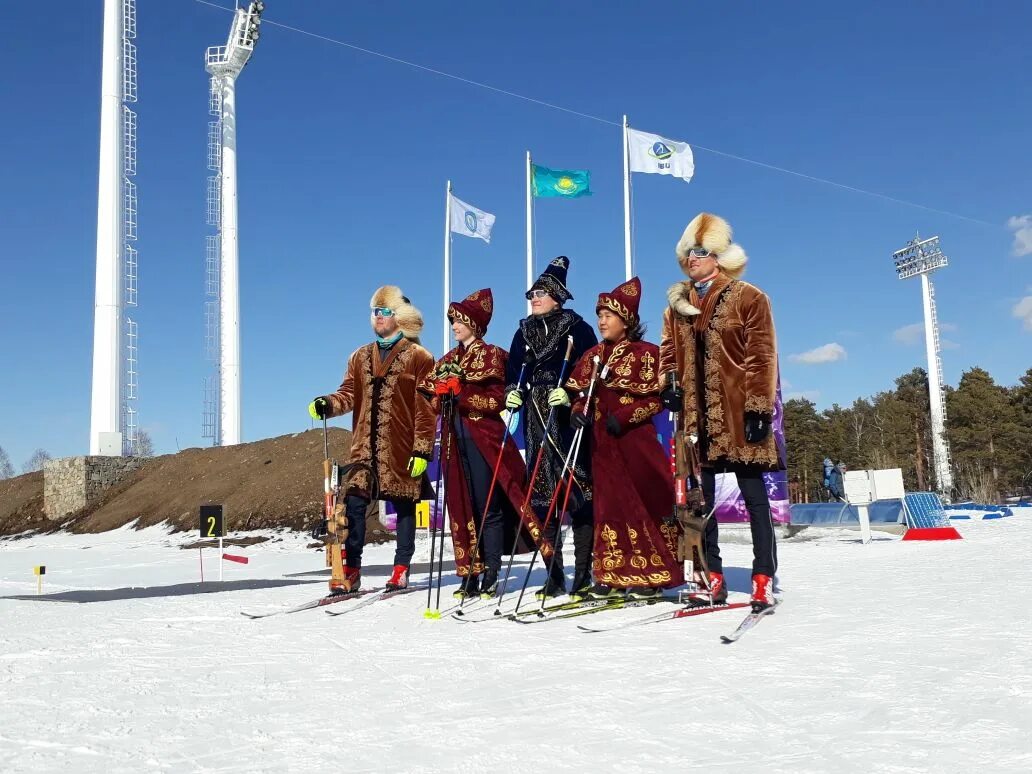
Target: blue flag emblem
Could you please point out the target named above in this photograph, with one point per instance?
(661, 151)
(471, 221)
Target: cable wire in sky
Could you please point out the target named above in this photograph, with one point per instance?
(553, 106)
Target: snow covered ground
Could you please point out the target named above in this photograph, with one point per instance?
(891, 657)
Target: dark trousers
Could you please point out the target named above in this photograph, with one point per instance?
(478, 480)
(356, 506)
(583, 523)
(754, 492)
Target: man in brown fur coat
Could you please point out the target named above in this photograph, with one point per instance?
(393, 428)
(726, 361)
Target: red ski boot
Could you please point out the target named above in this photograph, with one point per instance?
(762, 592)
(352, 580)
(399, 579)
(717, 594)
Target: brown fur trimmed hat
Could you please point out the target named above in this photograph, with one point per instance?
(713, 233)
(410, 319)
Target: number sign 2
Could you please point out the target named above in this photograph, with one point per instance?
(212, 524)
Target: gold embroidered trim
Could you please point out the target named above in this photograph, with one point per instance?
(647, 372)
(760, 404)
(457, 314)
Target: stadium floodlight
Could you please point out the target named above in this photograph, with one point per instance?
(222, 420)
(920, 257)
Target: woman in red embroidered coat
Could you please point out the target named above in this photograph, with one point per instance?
(478, 432)
(635, 550)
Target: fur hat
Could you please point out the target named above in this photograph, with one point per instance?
(553, 280)
(410, 319)
(474, 311)
(713, 233)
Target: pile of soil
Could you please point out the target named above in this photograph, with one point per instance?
(21, 504)
(276, 482)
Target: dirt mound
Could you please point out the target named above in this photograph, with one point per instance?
(272, 483)
(21, 504)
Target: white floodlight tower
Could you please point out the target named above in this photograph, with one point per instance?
(224, 63)
(921, 257)
(113, 416)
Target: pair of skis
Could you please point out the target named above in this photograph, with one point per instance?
(750, 620)
(366, 597)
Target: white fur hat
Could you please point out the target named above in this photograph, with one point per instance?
(410, 319)
(713, 233)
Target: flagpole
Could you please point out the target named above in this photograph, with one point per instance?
(447, 268)
(530, 228)
(626, 202)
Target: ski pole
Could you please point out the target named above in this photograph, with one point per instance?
(438, 497)
(568, 469)
(490, 490)
(533, 476)
(450, 413)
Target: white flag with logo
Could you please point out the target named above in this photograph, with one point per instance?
(655, 154)
(469, 221)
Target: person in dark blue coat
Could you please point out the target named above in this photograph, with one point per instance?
(828, 467)
(836, 482)
(540, 344)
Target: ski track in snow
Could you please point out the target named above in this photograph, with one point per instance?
(891, 657)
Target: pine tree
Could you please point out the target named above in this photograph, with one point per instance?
(983, 432)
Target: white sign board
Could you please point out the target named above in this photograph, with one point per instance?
(887, 484)
(857, 486)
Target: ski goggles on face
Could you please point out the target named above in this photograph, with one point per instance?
(537, 293)
(382, 311)
(700, 252)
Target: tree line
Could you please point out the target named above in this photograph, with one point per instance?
(988, 427)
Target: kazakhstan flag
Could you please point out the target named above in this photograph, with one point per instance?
(567, 183)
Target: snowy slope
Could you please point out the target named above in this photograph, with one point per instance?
(895, 657)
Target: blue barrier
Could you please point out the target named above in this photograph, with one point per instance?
(834, 514)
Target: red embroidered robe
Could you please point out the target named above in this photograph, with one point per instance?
(634, 486)
(478, 408)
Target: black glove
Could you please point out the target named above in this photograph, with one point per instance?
(320, 530)
(757, 426)
(673, 399)
(321, 406)
(580, 419)
(612, 425)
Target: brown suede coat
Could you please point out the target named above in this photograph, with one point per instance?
(727, 364)
(392, 420)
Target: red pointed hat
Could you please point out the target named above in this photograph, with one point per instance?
(474, 310)
(623, 301)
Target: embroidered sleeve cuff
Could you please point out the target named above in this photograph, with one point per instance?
(760, 404)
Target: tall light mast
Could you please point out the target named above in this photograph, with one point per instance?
(221, 420)
(113, 416)
(921, 257)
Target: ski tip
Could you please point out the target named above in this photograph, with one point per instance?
(725, 639)
(432, 615)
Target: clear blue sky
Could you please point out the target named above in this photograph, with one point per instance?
(344, 157)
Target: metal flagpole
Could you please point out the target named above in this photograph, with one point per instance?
(447, 269)
(626, 202)
(530, 228)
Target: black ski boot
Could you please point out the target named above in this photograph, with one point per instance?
(581, 586)
(601, 591)
(470, 587)
(489, 584)
(553, 588)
